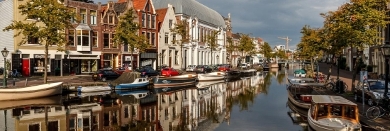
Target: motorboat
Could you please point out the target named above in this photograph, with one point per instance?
(137, 83)
(37, 91)
(333, 113)
(85, 89)
(173, 81)
(300, 91)
(213, 76)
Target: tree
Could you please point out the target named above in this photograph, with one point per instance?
(246, 44)
(311, 44)
(181, 28)
(126, 33)
(230, 47)
(266, 50)
(212, 40)
(357, 19)
(50, 21)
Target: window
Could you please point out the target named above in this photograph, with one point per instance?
(111, 19)
(143, 19)
(153, 38)
(166, 114)
(148, 21)
(106, 40)
(176, 57)
(32, 40)
(72, 124)
(153, 21)
(322, 110)
(112, 41)
(83, 16)
(71, 37)
(95, 39)
(166, 37)
(93, 17)
(34, 127)
(170, 23)
(148, 37)
(174, 37)
(335, 110)
(126, 111)
(83, 37)
(201, 35)
(53, 126)
(72, 20)
(350, 112)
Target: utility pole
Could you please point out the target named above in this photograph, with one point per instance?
(287, 40)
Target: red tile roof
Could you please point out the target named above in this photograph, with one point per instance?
(122, 1)
(103, 8)
(139, 4)
(161, 14)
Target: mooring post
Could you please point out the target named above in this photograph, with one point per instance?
(25, 83)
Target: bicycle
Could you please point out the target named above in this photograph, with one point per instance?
(375, 112)
(331, 85)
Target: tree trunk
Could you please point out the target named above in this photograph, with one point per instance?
(330, 68)
(354, 72)
(181, 50)
(45, 64)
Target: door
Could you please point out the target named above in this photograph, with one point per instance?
(26, 67)
(170, 61)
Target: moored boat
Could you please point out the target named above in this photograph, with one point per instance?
(137, 83)
(233, 75)
(93, 88)
(173, 81)
(55, 100)
(300, 92)
(85, 94)
(333, 113)
(31, 92)
(213, 76)
(248, 72)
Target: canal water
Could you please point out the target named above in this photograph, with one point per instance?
(257, 103)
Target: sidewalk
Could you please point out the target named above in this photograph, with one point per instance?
(36, 80)
(382, 123)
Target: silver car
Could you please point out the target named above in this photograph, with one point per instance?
(190, 68)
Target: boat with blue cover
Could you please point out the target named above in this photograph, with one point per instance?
(138, 83)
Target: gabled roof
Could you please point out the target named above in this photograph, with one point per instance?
(120, 7)
(161, 15)
(139, 4)
(236, 36)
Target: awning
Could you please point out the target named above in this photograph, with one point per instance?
(84, 57)
(83, 27)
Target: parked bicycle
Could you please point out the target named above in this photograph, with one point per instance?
(14, 74)
(331, 85)
(378, 111)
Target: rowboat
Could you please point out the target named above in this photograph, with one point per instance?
(93, 88)
(31, 92)
(55, 100)
(333, 113)
(213, 76)
(205, 84)
(138, 83)
(173, 81)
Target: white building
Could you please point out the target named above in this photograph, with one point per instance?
(6, 37)
(202, 22)
(170, 52)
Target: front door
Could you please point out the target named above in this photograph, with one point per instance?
(170, 61)
(26, 67)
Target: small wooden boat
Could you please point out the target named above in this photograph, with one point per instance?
(333, 113)
(93, 88)
(173, 81)
(213, 76)
(138, 83)
(31, 92)
(233, 75)
(86, 94)
(300, 91)
(205, 84)
(42, 101)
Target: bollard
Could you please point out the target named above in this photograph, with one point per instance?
(13, 82)
(26, 82)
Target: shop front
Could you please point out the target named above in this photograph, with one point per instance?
(38, 64)
(148, 59)
(110, 60)
(83, 64)
(129, 61)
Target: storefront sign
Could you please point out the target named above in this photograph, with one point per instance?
(128, 58)
(41, 56)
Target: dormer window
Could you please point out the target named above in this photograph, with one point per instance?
(111, 19)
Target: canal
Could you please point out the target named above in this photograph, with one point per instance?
(253, 103)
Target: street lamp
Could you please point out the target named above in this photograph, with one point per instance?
(386, 53)
(217, 59)
(5, 52)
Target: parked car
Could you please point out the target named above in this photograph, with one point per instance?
(169, 72)
(243, 65)
(373, 91)
(203, 69)
(120, 70)
(105, 74)
(147, 71)
(190, 67)
(224, 68)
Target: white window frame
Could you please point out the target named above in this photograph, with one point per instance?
(81, 37)
(93, 14)
(83, 16)
(93, 38)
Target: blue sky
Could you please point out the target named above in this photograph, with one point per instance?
(270, 19)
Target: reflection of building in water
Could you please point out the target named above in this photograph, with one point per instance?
(129, 109)
(170, 109)
(33, 118)
(148, 112)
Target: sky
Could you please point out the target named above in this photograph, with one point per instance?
(270, 19)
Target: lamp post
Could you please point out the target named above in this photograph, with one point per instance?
(386, 53)
(5, 52)
(217, 59)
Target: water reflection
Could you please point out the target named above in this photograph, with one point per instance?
(183, 108)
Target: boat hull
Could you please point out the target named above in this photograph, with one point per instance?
(214, 76)
(93, 89)
(31, 92)
(131, 86)
(323, 126)
(205, 84)
(182, 80)
(296, 102)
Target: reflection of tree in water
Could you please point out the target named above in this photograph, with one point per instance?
(280, 77)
